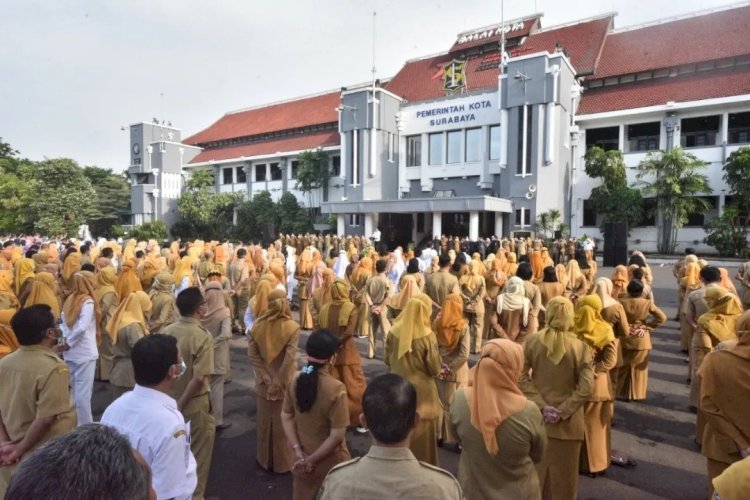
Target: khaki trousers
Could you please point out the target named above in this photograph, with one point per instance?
(202, 433)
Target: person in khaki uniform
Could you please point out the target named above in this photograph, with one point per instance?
(127, 326)
(35, 400)
(378, 291)
(389, 470)
(412, 351)
(441, 283)
(164, 311)
(238, 275)
(725, 390)
(558, 376)
(192, 390)
(533, 294)
(107, 298)
(473, 290)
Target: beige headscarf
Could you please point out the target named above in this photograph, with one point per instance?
(413, 323)
(560, 321)
(216, 308)
(273, 329)
(514, 298)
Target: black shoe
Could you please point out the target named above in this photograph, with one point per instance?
(224, 426)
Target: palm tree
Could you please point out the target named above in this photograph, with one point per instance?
(674, 180)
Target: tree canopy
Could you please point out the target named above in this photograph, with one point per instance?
(613, 199)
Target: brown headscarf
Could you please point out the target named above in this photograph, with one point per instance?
(275, 327)
(339, 297)
(721, 318)
(131, 310)
(216, 308)
(450, 322)
(494, 394)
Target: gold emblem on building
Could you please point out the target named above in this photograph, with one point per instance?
(454, 76)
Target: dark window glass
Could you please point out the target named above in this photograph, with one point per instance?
(607, 138)
(644, 136)
(700, 131)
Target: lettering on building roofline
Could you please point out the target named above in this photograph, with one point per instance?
(453, 114)
(488, 33)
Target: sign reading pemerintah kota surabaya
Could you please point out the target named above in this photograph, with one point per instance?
(463, 111)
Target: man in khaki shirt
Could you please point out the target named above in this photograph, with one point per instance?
(441, 283)
(377, 292)
(389, 470)
(35, 401)
(192, 389)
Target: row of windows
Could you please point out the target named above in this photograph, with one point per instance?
(697, 219)
(694, 132)
(262, 174)
(454, 146)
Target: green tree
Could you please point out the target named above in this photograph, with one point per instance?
(673, 178)
(312, 177)
(150, 231)
(64, 198)
(614, 200)
(291, 215)
(206, 215)
(737, 177)
(200, 179)
(548, 222)
(728, 233)
(112, 200)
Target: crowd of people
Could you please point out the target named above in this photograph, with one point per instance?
(557, 345)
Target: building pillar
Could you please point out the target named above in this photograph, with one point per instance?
(437, 224)
(499, 224)
(369, 224)
(473, 226)
(414, 228)
(341, 224)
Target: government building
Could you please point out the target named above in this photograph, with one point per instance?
(449, 145)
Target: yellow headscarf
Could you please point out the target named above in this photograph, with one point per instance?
(105, 283)
(182, 269)
(339, 297)
(409, 289)
(42, 291)
(721, 319)
(450, 322)
(71, 265)
(273, 329)
(128, 281)
(413, 323)
(259, 302)
(82, 290)
(560, 322)
(692, 277)
(590, 326)
(734, 482)
(24, 271)
(131, 310)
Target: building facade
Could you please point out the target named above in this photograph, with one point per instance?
(450, 145)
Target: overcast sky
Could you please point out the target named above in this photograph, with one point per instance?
(73, 72)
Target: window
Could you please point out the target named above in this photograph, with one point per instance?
(473, 136)
(739, 128)
(698, 219)
(525, 141)
(295, 168)
(522, 217)
(454, 146)
(495, 142)
(260, 172)
(355, 220)
(643, 136)
(414, 151)
(226, 175)
(275, 172)
(700, 131)
(241, 175)
(355, 177)
(589, 216)
(649, 212)
(607, 138)
(336, 165)
(436, 149)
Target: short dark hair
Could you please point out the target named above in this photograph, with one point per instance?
(524, 258)
(88, 266)
(444, 260)
(524, 271)
(92, 462)
(710, 274)
(635, 288)
(690, 251)
(550, 275)
(8, 243)
(638, 273)
(107, 253)
(139, 254)
(390, 404)
(241, 253)
(189, 300)
(380, 265)
(31, 252)
(31, 323)
(153, 356)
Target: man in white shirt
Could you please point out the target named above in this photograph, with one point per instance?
(376, 236)
(149, 417)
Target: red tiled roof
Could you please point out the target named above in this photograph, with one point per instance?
(300, 142)
(582, 42)
(693, 87)
(529, 24)
(292, 114)
(420, 80)
(700, 38)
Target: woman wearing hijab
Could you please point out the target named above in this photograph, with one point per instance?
(397, 303)
(43, 290)
(340, 317)
(314, 284)
(184, 276)
(577, 284)
(321, 296)
(512, 265)
(412, 269)
(550, 287)
(272, 348)
(473, 291)
(726, 281)
(494, 280)
(315, 417)
(218, 321)
(24, 272)
(106, 296)
(71, 265)
(304, 273)
(164, 310)
(632, 378)
(258, 303)
(620, 280)
(127, 326)
(725, 390)
(396, 267)
(411, 351)
(502, 432)
(597, 333)
(452, 333)
(359, 277)
(80, 327)
(613, 313)
(537, 266)
(128, 281)
(8, 299)
(639, 259)
(512, 310)
(8, 341)
(558, 376)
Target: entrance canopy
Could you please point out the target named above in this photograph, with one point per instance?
(415, 205)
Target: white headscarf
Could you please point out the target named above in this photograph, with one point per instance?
(340, 265)
(514, 298)
(425, 259)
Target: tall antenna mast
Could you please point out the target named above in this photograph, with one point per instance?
(502, 36)
(373, 48)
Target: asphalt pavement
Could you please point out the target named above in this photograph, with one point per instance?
(657, 433)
